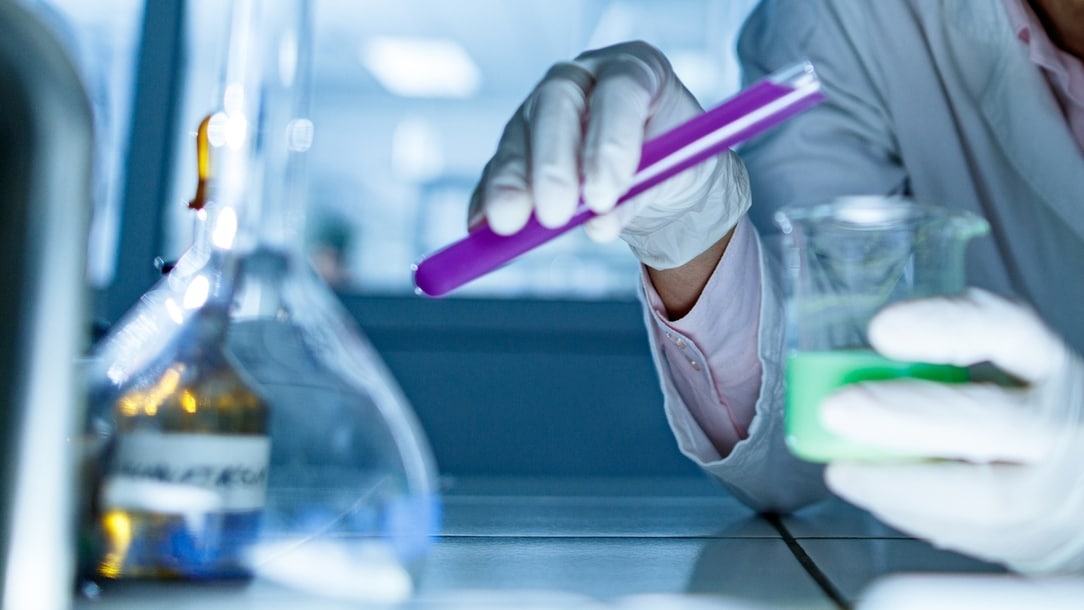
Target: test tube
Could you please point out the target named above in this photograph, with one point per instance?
(762, 105)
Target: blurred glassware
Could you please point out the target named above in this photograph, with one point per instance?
(46, 143)
(240, 424)
(849, 258)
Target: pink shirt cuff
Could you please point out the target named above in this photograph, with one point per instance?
(711, 353)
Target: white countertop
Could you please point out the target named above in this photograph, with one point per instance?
(615, 543)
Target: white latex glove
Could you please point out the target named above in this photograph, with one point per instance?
(1011, 489)
(584, 124)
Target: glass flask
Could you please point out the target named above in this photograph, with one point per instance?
(239, 423)
(848, 258)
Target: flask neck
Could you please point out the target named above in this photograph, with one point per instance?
(261, 132)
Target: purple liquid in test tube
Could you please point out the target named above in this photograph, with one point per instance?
(763, 105)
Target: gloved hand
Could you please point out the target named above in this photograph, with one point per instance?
(583, 127)
(1010, 488)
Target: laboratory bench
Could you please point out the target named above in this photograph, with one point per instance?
(537, 542)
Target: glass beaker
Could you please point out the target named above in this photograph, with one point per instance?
(847, 259)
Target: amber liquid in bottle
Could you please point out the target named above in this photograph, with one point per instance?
(186, 477)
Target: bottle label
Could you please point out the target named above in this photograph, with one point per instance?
(177, 473)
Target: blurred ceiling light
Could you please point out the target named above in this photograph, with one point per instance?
(421, 67)
(417, 150)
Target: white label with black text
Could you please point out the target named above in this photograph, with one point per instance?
(185, 473)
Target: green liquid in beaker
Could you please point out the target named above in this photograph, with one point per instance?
(812, 376)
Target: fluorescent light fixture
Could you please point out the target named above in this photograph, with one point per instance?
(421, 67)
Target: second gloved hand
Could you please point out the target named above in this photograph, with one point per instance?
(1004, 478)
(580, 131)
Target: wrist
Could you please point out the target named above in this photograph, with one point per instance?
(679, 288)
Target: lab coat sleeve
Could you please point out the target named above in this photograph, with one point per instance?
(844, 146)
(714, 377)
(847, 144)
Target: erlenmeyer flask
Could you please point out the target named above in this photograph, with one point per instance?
(240, 423)
(847, 259)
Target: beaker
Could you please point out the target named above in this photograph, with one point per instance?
(847, 259)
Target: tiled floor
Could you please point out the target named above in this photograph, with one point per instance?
(619, 543)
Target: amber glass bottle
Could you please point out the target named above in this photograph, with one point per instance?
(186, 479)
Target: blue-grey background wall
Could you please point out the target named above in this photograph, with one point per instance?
(527, 387)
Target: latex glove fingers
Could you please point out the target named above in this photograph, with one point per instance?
(608, 227)
(981, 327)
(630, 82)
(583, 124)
(974, 327)
(502, 197)
(528, 167)
(965, 421)
(990, 511)
(554, 114)
(1025, 514)
(675, 221)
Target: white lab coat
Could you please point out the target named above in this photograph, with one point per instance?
(935, 99)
